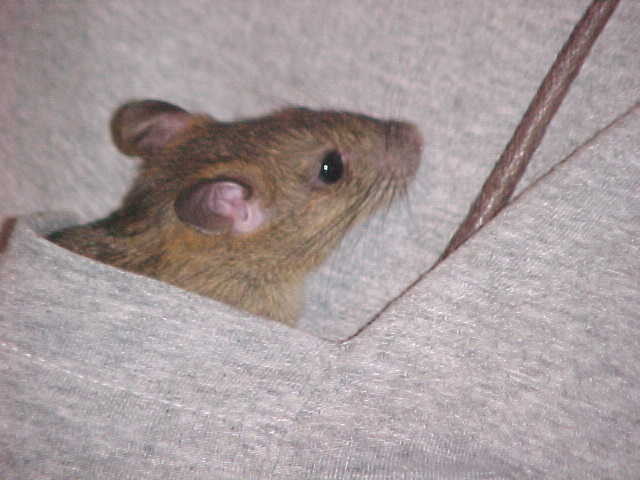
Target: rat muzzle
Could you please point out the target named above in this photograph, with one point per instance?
(403, 149)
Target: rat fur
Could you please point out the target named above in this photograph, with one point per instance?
(242, 211)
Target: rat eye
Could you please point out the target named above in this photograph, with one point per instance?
(331, 168)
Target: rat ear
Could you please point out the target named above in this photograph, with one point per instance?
(142, 128)
(218, 205)
(291, 112)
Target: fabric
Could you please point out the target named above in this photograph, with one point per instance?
(518, 357)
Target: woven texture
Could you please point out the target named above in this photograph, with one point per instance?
(518, 357)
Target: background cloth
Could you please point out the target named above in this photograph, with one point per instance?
(518, 357)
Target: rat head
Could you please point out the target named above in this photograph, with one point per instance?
(279, 190)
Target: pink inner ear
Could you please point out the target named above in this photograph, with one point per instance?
(156, 132)
(227, 199)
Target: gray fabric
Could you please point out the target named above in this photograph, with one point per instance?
(518, 357)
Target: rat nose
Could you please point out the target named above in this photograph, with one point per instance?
(404, 144)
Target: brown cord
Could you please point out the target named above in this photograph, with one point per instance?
(508, 170)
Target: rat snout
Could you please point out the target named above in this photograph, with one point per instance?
(403, 145)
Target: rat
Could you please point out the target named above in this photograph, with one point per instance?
(242, 211)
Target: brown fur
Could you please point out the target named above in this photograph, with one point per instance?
(278, 157)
